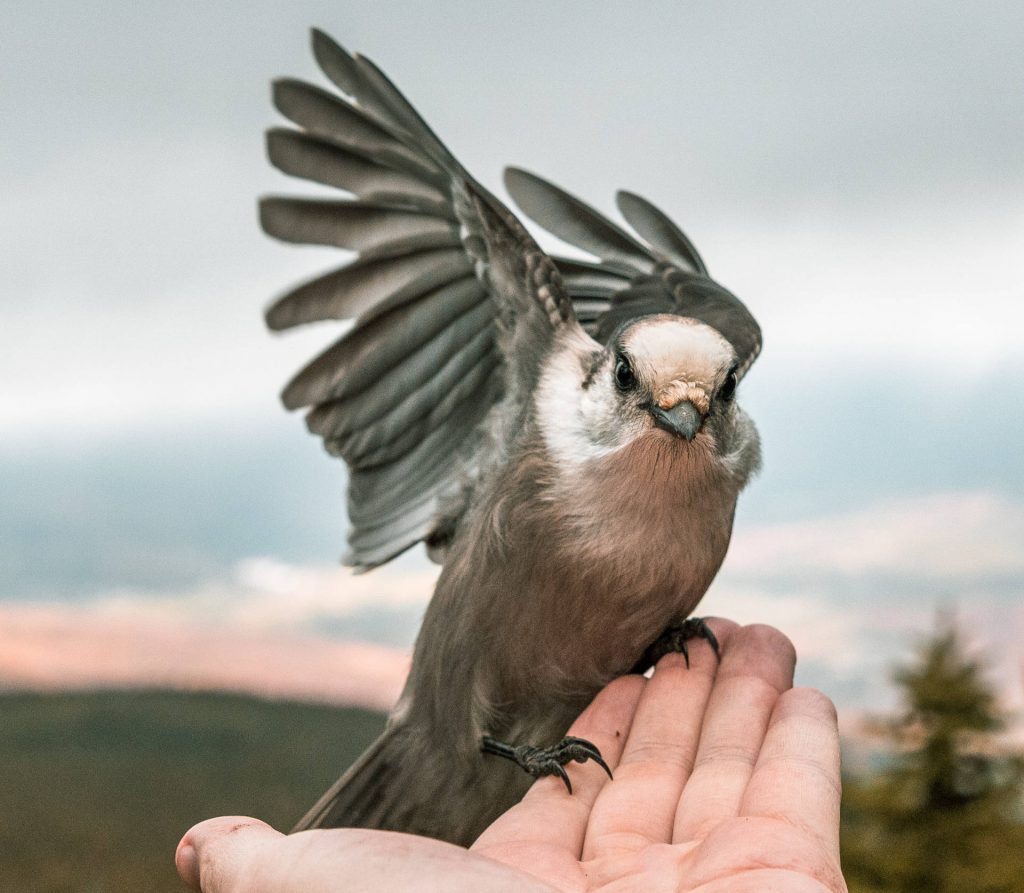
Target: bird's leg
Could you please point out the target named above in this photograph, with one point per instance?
(674, 639)
(538, 761)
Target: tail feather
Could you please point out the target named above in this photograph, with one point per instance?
(359, 798)
(402, 784)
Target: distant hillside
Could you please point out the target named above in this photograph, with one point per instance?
(97, 788)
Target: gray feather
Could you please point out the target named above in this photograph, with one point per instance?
(379, 492)
(677, 283)
(390, 444)
(589, 309)
(444, 269)
(592, 278)
(374, 346)
(321, 290)
(577, 223)
(337, 63)
(332, 375)
(387, 99)
(654, 225)
(345, 224)
(350, 291)
(376, 542)
(409, 389)
(323, 161)
(326, 115)
(370, 87)
(374, 793)
(386, 433)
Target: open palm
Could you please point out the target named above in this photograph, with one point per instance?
(726, 781)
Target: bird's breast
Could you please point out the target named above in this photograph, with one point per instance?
(603, 561)
(560, 583)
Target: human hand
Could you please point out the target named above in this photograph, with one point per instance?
(726, 781)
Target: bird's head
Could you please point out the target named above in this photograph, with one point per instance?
(670, 373)
(660, 376)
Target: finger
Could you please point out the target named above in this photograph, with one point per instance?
(544, 832)
(217, 855)
(797, 774)
(757, 666)
(638, 809)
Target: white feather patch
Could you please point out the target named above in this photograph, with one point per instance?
(674, 354)
(566, 411)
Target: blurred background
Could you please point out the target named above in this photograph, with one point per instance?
(177, 637)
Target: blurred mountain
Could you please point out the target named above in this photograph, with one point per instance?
(99, 787)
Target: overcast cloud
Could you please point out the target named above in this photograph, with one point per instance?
(853, 171)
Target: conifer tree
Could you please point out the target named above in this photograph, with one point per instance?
(945, 813)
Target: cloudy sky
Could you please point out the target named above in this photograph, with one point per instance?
(853, 171)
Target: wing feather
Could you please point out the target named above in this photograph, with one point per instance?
(459, 348)
(322, 114)
(370, 350)
(657, 228)
(383, 492)
(373, 546)
(468, 387)
(616, 289)
(323, 161)
(574, 221)
(454, 303)
(357, 225)
(361, 286)
(584, 276)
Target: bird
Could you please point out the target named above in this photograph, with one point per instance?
(562, 434)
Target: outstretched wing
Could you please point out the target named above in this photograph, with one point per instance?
(454, 303)
(663, 273)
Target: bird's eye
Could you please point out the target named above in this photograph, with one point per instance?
(624, 377)
(728, 389)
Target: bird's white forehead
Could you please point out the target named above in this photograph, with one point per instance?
(671, 348)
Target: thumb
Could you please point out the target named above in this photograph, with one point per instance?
(219, 855)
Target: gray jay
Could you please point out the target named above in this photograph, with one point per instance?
(563, 435)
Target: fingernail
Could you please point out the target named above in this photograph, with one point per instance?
(188, 866)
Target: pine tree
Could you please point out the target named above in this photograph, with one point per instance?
(945, 813)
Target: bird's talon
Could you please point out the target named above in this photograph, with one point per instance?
(674, 641)
(597, 758)
(711, 639)
(561, 773)
(541, 761)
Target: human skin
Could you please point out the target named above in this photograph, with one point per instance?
(726, 780)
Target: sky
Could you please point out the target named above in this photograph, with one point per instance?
(852, 171)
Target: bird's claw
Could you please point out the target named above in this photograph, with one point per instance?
(674, 641)
(580, 750)
(541, 761)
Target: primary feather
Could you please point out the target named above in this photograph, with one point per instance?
(452, 301)
(438, 290)
(667, 275)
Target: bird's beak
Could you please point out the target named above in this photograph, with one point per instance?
(683, 419)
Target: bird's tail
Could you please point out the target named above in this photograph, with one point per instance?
(366, 795)
(398, 784)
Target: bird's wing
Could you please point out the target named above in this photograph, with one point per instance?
(656, 271)
(454, 303)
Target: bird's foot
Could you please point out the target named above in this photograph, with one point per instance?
(539, 761)
(673, 640)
